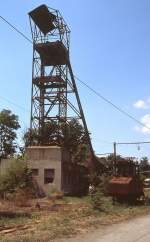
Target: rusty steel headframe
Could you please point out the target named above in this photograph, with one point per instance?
(54, 91)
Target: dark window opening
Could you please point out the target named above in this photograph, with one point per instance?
(49, 175)
(35, 172)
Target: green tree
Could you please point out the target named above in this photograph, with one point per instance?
(70, 136)
(48, 135)
(8, 126)
(31, 137)
(144, 164)
(73, 136)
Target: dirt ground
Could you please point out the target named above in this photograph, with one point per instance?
(44, 220)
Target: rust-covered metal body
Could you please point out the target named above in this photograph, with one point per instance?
(126, 187)
(54, 92)
(126, 183)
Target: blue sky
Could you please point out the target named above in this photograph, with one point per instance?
(110, 51)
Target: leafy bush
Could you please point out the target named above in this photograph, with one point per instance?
(17, 176)
(100, 184)
(100, 181)
(104, 183)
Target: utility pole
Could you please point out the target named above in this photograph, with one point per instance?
(115, 158)
(124, 143)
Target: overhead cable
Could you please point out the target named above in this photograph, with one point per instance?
(83, 83)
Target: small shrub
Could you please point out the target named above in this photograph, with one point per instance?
(101, 181)
(17, 177)
(21, 197)
(54, 193)
(104, 183)
(96, 199)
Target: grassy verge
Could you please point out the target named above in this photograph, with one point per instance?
(68, 217)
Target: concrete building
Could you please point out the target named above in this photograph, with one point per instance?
(46, 165)
(52, 168)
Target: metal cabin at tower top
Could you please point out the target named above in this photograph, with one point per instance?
(47, 24)
(43, 19)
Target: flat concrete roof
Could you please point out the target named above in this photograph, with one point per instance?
(43, 147)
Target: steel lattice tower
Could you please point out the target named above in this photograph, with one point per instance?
(54, 92)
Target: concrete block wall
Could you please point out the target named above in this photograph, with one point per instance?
(45, 157)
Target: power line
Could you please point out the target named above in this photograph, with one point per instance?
(83, 83)
(15, 104)
(132, 143)
(18, 106)
(17, 30)
(112, 104)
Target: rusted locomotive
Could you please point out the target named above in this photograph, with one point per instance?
(126, 184)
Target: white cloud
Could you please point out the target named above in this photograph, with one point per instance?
(146, 121)
(142, 104)
(139, 104)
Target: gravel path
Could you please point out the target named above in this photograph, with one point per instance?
(135, 230)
